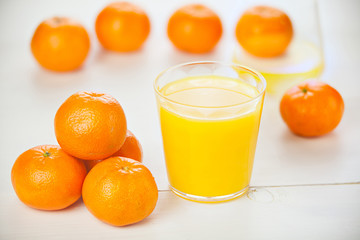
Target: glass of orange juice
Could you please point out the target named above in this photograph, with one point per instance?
(209, 114)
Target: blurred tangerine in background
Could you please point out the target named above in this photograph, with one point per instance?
(122, 27)
(60, 44)
(264, 31)
(130, 149)
(312, 108)
(194, 28)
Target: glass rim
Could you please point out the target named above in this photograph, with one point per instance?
(248, 69)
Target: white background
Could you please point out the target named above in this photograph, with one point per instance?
(301, 188)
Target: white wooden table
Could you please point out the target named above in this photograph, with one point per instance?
(301, 188)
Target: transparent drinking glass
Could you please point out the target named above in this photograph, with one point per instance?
(302, 60)
(209, 114)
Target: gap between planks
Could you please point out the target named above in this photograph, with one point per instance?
(294, 185)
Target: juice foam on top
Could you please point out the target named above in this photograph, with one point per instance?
(209, 91)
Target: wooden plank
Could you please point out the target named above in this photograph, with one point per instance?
(311, 212)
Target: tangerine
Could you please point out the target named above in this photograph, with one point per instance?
(120, 191)
(122, 27)
(312, 109)
(194, 28)
(90, 125)
(130, 149)
(264, 31)
(45, 177)
(60, 44)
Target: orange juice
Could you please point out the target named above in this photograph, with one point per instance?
(209, 126)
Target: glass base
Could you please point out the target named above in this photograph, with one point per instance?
(215, 199)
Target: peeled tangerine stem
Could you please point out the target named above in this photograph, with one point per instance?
(46, 154)
(57, 20)
(125, 168)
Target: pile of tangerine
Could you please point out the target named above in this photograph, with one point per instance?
(91, 130)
